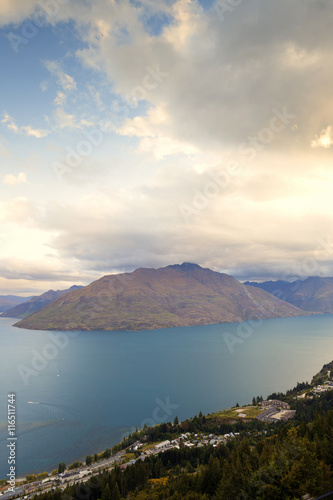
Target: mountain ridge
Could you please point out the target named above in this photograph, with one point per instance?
(35, 303)
(147, 298)
(313, 294)
(9, 301)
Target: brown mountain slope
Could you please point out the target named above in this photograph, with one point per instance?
(179, 295)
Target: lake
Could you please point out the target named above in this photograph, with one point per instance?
(79, 393)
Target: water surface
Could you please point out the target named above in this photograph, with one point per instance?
(91, 387)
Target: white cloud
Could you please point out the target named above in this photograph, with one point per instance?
(154, 131)
(44, 85)
(64, 119)
(18, 211)
(297, 57)
(10, 123)
(186, 15)
(16, 11)
(70, 120)
(325, 139)
(161, 147)
(25, 130)
(66, 81)
(35, 132)
(12, 180)
(60, 99)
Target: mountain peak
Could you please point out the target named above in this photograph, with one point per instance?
(186, 266)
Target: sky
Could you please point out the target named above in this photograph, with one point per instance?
(145, 133)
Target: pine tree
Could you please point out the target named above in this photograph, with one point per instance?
(115, 493)
(106, 494)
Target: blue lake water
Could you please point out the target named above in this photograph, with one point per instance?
(92, 387)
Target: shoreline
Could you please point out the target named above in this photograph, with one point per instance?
(303, 314)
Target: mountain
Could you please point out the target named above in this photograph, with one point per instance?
(313, 294)
(9, 301)
(176, 295)
(36, 303)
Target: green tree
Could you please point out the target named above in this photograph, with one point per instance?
(106, 494)
(61, 467)
(176, 421)
(189, 467)
(211, 476)
(88, 459)
(115, 493)
(75, 465)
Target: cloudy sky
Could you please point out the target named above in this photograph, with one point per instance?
(152, 132)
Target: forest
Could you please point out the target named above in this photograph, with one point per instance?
(286, 461)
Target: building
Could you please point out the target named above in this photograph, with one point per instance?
(276, 403)
(162, 445)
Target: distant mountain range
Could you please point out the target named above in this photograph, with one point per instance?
(313, 294)
(9, 301)
(36, 303)
(176, 295)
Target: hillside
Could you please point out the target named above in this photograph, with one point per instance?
(213, 457)
(177, 295)
(36, 303)
(9, 301)
(313, 294)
